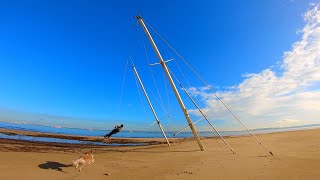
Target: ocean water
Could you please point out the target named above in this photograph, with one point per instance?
(67, 141)
(124, 134)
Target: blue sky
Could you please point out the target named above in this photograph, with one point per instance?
(63, 62)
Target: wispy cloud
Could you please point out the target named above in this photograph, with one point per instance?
(289, 95)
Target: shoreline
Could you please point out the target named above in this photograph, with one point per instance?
(147, 141)
(122, 142)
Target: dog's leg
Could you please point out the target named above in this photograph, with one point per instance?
(81, 167)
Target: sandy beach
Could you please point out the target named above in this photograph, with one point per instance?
(296, 156)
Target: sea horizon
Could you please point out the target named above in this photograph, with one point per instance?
(143, 134)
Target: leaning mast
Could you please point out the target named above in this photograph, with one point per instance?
(174, 88)
(147, 97)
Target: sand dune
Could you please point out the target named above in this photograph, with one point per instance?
(296, 156)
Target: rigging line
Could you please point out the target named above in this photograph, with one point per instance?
(169, 107)
(180, 70)
(150, 104)
(155, 83)
(171, 57)
(174, 134)
(165, 111)
(205, 116)
(153, 78)
(167, 92)
(140, 96)
(152, 74)
(212, 91)
(122, 87)
(163, 108)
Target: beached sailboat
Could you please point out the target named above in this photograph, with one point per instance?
(168, 73)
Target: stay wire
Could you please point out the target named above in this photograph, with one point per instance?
(169, 107)
(161, 104)
(205, 116)
(152, 75)
(168, 99)
(157, 88)
(177, 64)
(121, 93)
(140, 96)
(167, 114)
(212, 91)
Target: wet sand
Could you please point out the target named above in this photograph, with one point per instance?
(296, 156)
(90, 138)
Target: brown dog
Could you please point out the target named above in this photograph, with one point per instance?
(82, 160)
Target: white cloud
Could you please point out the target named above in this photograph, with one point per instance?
(268, 97)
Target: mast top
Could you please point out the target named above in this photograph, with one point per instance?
(138, 17)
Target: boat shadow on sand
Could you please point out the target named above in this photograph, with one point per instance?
(54, 166)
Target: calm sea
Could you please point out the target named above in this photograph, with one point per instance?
(124, 134)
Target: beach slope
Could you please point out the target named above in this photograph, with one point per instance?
(296, 156)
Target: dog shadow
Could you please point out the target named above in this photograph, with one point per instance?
(54, 166)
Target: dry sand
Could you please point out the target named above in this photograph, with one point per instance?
(296, 156)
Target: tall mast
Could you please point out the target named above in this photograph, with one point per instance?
(145, 93)
(164, 66)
